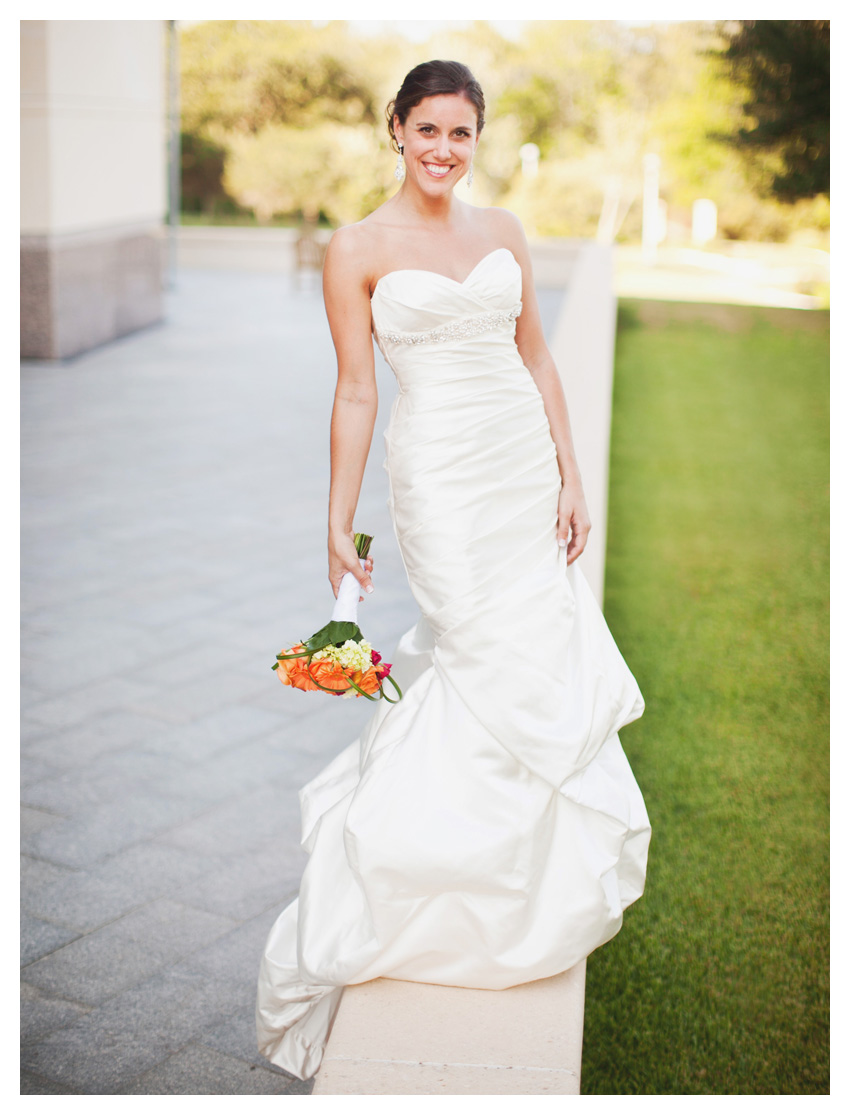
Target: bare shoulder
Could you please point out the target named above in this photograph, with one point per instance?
(355, 251)
(346, 248)
(505, 226)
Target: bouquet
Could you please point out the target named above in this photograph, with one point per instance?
(337, 659)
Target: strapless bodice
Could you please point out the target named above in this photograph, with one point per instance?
(425, 322)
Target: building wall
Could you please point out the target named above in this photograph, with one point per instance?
(93, 181)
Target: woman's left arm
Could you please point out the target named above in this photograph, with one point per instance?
(573, 517)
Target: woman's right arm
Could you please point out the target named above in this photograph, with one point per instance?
(347, 304)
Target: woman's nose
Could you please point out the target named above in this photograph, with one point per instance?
(441, 149)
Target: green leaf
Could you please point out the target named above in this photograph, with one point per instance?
(392, 700)
(335, 634)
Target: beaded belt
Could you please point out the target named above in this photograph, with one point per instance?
(464, 327)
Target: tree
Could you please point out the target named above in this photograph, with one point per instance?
(784, 66)
(201, 169)
(238, 76)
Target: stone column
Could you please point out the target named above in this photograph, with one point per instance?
(93, 180)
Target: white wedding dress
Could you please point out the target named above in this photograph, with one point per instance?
(487, 830)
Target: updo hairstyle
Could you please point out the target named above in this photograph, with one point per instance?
(434, 79)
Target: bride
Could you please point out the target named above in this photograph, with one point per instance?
(486, 830)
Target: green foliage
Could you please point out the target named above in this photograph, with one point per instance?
(717, 586)
(202, 168)
(783, 64)
(293, 109)
(242, 75)
(328, 168)
(286, 119)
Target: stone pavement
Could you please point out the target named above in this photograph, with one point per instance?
(173, 523)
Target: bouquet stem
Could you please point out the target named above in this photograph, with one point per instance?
(348, 596)
(347, 599)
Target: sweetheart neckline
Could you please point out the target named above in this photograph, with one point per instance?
(439, 274)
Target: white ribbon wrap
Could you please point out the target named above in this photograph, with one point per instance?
(348, 597)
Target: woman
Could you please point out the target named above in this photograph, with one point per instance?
(486, 830)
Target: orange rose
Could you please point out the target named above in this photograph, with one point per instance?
(302, 674)
(289, 667)
(329, 674)
(369, 681)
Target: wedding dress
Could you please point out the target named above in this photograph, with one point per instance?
(487, 830)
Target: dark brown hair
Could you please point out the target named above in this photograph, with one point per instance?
(434, 79)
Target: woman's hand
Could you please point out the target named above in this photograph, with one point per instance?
(342, 559)
(573, 519)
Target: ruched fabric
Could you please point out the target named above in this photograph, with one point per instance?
(487, 830)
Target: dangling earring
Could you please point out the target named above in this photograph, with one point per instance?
(469, 176)
(399, 166)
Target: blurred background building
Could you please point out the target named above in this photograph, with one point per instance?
(93, 181)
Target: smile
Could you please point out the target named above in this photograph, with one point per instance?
(436, 170)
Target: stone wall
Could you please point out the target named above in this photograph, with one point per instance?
(93, 180)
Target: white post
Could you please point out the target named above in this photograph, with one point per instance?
(703, 221)
(529, 155)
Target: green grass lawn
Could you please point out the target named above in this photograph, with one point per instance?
(717, 594)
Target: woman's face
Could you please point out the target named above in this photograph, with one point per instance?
(439, 139)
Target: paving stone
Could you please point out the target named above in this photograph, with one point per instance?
(118, 775)
(237, 954)
(32, 733)
(82, 703)
(81, 745)
(39, 938)
(104, 648)
(108, 829)
(244, 886)
(34, 820)
(100, 964)
(237, 826)
(35, 770)
(199, 1071)
(180, 637)
(76, 790)
(187, 702)
(236, 1034)
(234, 772)
(38, 875)
(165, 609)
(186, 666)
(41, 1014)
(215, 731)
(329, 728)
(32, 1085)
(163, 566)
(87, 900)
(130, 1033)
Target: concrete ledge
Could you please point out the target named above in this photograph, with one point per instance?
(392, 1037)
(582, 347)
(222, 248)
